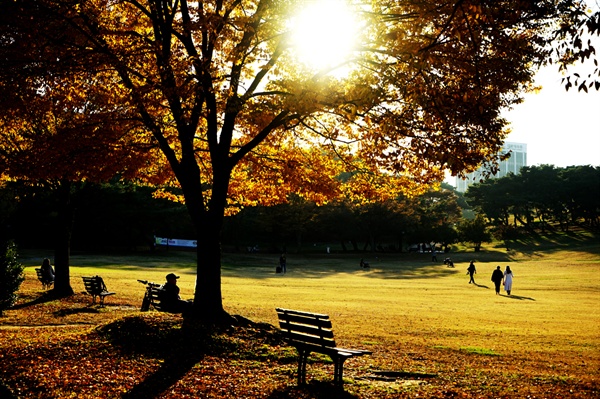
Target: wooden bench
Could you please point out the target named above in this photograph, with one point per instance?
(151, 296)
(46, 282)
(312, 332)
(96, 288)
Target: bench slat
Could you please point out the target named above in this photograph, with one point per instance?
(310, 339)
(312, 332)
(304, 320)
(96, 288)
(306, 329)
(299, 312)
(153, 296)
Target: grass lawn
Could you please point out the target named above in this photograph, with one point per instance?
(432, 334)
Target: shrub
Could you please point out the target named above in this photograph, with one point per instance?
(11, 276)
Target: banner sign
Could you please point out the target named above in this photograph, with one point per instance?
(174, 242)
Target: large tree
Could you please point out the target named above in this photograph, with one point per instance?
(60, 134)
(221, 88)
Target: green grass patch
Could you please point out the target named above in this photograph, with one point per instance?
(480, 351)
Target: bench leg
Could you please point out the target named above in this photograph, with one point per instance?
(302, 360)
(338, 372)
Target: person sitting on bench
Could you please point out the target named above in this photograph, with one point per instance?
(47, 271)
(170, 300)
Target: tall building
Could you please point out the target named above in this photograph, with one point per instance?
(517, 159)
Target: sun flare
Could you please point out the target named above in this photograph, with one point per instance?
(324, 33)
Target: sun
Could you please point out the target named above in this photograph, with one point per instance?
(324, 34)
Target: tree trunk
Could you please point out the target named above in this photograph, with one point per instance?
(298, 241)
(62, 245)
(208, 222)
(208, 301)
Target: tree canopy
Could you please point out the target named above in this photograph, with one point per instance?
(540, 195)
(220, 89)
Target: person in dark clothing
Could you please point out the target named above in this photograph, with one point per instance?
(47, 270)
(170, 300)
(471, 271)
(283, 263)
(497, 278)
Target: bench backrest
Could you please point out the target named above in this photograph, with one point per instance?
(154, 293)
(306, 328)
(94, 285)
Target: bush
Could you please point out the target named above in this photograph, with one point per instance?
(11, 276)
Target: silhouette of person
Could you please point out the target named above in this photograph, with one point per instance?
(47, 270)
(497, 278)
(508, 280)
(170, 299)
(471, 270)
(283, 263)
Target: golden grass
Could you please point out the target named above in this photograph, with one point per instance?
(402, 298)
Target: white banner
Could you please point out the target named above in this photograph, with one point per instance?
(174, 242)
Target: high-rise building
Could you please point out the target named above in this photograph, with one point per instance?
(517, 159)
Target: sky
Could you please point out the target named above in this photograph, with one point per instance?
(560, 128)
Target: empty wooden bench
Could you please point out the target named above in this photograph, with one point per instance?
(96, 288)
(46, 282)
(312, 332)
(151, 297)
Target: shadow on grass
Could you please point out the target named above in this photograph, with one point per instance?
(384, 375)
(6, 393)
(45, 297)
(171, 371)
(166, 338)
(554, 241)
(481, 286)
(520, 298)
(158, 338)
(312, 390)
(67, 312)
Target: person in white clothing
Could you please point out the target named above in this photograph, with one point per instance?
(508, 280)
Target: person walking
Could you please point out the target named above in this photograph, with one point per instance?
(471, 270)
(508, 280)
(497, 278)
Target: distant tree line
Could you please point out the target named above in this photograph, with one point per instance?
(540, 197)
(127, 216)
(386, 226)
(117, 215)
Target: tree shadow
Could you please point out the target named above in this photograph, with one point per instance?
(164, 338)
(552, 241)
(5, 392)
(72, 311)
(172, 370)
(312, 390)
(44, 298)
(391, 376)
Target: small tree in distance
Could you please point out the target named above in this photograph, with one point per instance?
(474, 231)
(11, 276)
